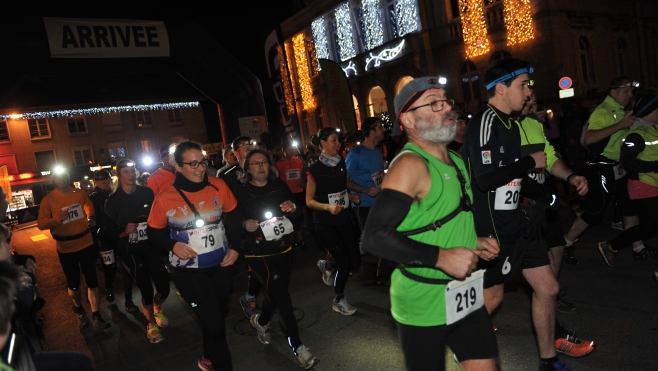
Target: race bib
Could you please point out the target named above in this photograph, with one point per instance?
(507, 196)
(75, 213)
(619, 171)
(464, 297)
(339, 198)
(378, 178)
(108, 257)
(141, 232)
(206, 239)
(276, 228)
(293, 174)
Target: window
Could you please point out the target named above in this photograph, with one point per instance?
(402, 17)
(39, 128)
(82, 155)
(369, 24)
(454, 8)
(45, 160)
(357, 112)
(469, 82)
(117, 150)
(112, 122)
(622, 59)
(177, 138)
(377, 101)
(4, 132)
(175, 117)
(401, 83)
(144, 119)
(584, 54)
(149, 145)
(76, 125)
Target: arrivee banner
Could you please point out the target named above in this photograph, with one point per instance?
(106, 38)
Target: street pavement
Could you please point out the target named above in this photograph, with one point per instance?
(618, 309)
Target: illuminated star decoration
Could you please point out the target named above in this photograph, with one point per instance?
(303, 73)
(99, 110)
(518, 21)
(345, 32)
(407, 15)
(474, 28)
(372, 24)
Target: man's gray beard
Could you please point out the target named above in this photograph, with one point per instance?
(440, 135)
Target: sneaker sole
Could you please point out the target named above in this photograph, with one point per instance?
(605, 258)
(573, 355)
(337, 310)
(313, 362)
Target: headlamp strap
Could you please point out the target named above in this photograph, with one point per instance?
(187, 201)
(511, 75)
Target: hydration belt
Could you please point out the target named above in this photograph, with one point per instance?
(70, 238)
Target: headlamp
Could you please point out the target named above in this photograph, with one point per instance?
(199, 223)
(268, 215)
(630, 84)
(58, 170)
(443, 80)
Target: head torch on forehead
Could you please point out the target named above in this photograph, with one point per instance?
(629, 84)
(512, 75)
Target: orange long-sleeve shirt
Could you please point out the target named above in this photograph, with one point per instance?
(49, 218)
(161, 179)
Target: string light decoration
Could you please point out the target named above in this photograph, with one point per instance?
(303, 73)
(350, 67)
(312, 56)
(372, 24)
(98, 110)
(295, 85)
(407, 12)
(518, 21)
(319, 30)
(345, 32)
(384, 55)
(474, 28)
(285, 81)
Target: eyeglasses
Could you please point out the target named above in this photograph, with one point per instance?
(259, 164)
(195, 164)
(437, 105)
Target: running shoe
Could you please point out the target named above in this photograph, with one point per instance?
(305, 358)
(557, 366)
(569, 256)
(153, 334)
(82, 317)
(573, 346)
(161, 320)
(130, 306)
(109, 295)
(607, 253)
(648, 253)
(563, 306)
(618, 226)
(327, 274)
(343, 307)
(263, 331)
(98, 322)
(249, 306)
(205, 364)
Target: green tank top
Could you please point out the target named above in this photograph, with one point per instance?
(650, 151)
(421, 304)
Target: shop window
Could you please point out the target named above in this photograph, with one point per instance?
(149, 145)
(39, 128)
(469, 82)
(4, 132)
(117, 150)
(82, 155)
(377, 101)
(76, 125)
(112, 122)
(144, 119)
(175, 117)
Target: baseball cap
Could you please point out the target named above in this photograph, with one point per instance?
(645, 103)
(102, 175)
(164, 151)
(411, 92)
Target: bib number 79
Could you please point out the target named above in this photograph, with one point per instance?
(210, 239)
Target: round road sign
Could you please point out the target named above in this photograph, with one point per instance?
(565, 83)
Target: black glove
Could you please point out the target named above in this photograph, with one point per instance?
(536, 218)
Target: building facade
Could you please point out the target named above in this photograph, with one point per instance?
(383, 44)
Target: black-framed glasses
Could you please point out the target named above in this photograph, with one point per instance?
(195, 164)
(436, 106)
(259, 164)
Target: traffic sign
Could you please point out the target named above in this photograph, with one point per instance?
(565, 83)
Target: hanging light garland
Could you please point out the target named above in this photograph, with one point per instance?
(98, 110)
(312, 55)
(303, 73)
(518, 21)
(345, 32)
(285, 81)
(374, 30)
(474, 28)
(407, 16)
(319, 30)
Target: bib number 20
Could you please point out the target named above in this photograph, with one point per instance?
(511, 197)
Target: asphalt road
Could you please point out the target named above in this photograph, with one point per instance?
(618, 309)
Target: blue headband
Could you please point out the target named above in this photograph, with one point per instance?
(512, 75)
(646, 107)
